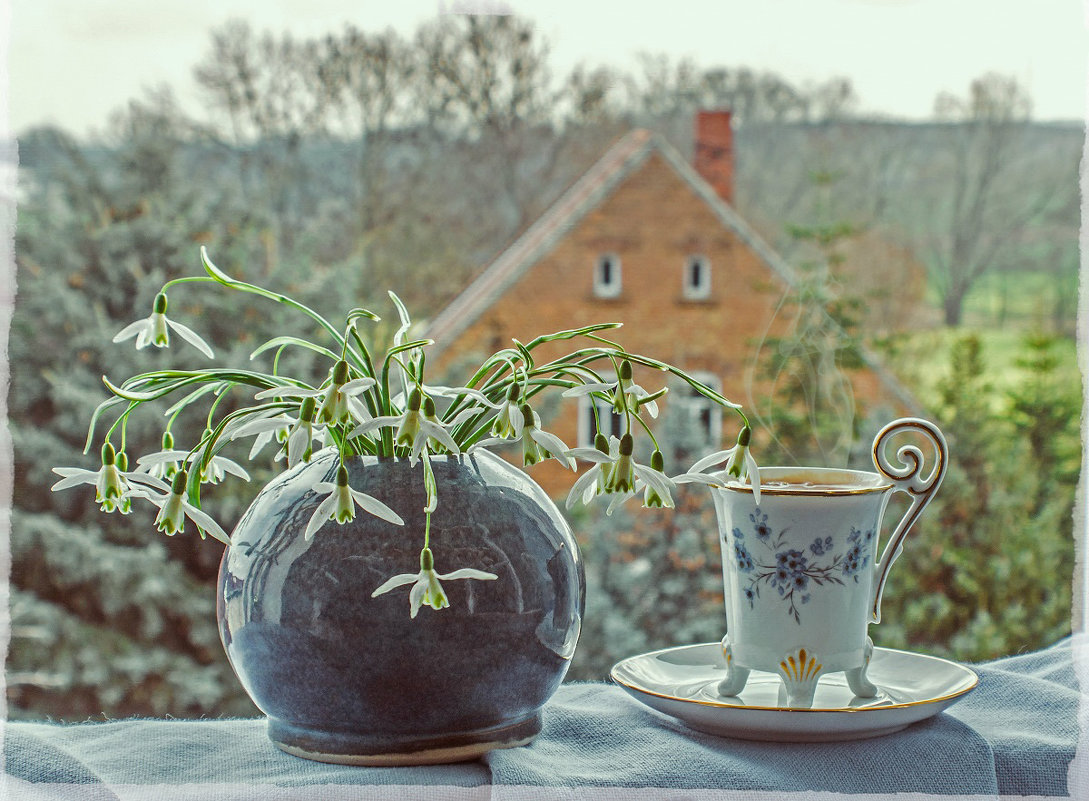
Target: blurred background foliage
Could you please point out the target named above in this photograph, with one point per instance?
(339, 167)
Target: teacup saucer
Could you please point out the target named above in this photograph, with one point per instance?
(681, 682)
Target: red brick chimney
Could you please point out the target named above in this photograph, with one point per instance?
(715, 151)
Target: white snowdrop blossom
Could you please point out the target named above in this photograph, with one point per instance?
(508, 418)
(114, 486)
(164, 470)
(174, 507)
(266, 429)
(537, 445)
(592, 482)
(155, 330)
(340, 402)
(739, 461)
(658, 488)
(340, 503)
(426, 589)
(617, 473)
(214, 472)
(298, 435)
(414, 429)
(626, 394)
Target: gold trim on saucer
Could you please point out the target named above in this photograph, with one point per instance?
(794, 710)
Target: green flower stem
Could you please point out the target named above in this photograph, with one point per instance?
(373, 406)
(646, 428)
(221, 277)
(120, 421)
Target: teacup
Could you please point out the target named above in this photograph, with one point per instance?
(801, 571)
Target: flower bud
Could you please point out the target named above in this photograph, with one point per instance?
(427, 559)
(744, 437)
(340, 372)
(122, 462)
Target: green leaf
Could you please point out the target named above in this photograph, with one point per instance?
(212, 270)
(357, 313)
(290, 340)
(130, 395)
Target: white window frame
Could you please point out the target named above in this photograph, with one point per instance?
(606, 413)
(701, 289)
(610, 287)
(696, 405)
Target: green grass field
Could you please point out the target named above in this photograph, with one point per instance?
(1002, 311)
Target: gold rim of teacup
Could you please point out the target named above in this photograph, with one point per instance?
(812, 492)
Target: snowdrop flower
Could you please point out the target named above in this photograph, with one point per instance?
(340, 403)
(298, 436)
(627, 395)
(214, 472)
(658, 487)
(174, 508)
(414, 428)
(537, 445)
(508, 419)
(628, 477)
(114, 487)
(266, 428)
(155, 330)
(340, 504)
(604, 453)
(166, 469)
(738, 460)
(618, 474)
(426, 589)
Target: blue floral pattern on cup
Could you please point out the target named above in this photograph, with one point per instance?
(793, 574)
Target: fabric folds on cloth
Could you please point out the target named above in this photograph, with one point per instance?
(1016, 734)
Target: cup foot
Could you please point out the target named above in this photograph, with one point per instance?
(856, 677)
(800, 672)
(736, 676)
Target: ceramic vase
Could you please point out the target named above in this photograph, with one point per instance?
(349, 678)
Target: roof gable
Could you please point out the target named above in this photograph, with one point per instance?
(586, 194)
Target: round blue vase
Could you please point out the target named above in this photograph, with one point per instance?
(347, 678)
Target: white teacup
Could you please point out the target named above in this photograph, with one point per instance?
(801, 572)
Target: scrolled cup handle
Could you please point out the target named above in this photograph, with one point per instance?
(906, 476)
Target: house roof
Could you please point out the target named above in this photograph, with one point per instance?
(620, 161)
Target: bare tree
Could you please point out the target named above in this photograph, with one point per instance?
(366, 81)
(487, 80)
(973, 202)
(269, 90)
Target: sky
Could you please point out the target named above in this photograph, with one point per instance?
(71, 62)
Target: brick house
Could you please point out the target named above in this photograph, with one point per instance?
(648, 240)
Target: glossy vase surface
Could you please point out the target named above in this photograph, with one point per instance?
(350, 678)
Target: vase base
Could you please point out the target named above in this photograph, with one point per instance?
(348, 749)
